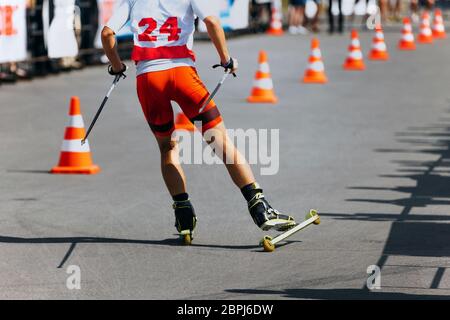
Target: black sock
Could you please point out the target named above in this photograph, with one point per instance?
(250, 190)
(180, 197)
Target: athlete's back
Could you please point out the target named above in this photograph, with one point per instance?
(162, 29)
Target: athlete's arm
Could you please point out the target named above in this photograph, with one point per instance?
(109, 46)
(206, 12)
(117, 21)
(217, 35)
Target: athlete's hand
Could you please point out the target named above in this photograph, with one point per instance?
(118, 71)
(231, 66)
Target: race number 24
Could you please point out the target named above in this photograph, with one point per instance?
(169, 27)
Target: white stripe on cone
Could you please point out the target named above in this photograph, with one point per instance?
(265, 84)
(355, 43)
(379, 36)
(316, 53)
(76, 122)
(426, 32)
(264, 67)
(407, 27)
(277, 16)
(276, 25)
(409, 37)
(75, 146)
(356, 54)
(380, 46)
(316, 66)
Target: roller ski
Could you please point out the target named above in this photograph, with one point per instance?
(268, 243)
(185, 220)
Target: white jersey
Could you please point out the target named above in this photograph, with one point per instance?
(162, 30)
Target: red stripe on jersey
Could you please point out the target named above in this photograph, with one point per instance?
(174, 52)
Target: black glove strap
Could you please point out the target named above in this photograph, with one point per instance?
(121, 72)
(228, 66)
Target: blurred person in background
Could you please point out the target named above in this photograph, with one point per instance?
(6, 76)
(260, 14)
(19, 70)
(414, 7)
(364, 17)
(297, 16)
(331, 28)
(390, 10)
(313, 21)
(383, 5)
(395, 10)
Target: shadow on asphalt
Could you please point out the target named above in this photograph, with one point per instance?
(338, 294)
(29, 171)
(73, 241)
(419, 235)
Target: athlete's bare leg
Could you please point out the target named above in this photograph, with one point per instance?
(238, 168)
(240, 172)
(315, 20)
(172, 172)
(397, 9)
(261, 211)
(236, 165)
(383, 4)
(291, 15)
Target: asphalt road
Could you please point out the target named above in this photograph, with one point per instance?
(370, 150)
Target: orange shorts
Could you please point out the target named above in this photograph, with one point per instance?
(156, 91)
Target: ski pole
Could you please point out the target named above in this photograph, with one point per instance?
(216, 89)
(116, 80)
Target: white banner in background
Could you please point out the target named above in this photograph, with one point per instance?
(233, 14)
(13, 31)
(105, 11)
(61, 41)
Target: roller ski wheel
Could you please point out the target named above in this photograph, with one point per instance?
(186, 237)
(313, 213)
(267, 244)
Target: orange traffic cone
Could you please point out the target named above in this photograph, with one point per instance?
(425, 35)
(276, 20)
(315, 72)
(183, 123)
(379, 51)
(354, 59)
(438, 25)
(75, 158)
(407, 40)
(262, 91)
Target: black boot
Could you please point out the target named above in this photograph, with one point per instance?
(267, 217)
(185, 218)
